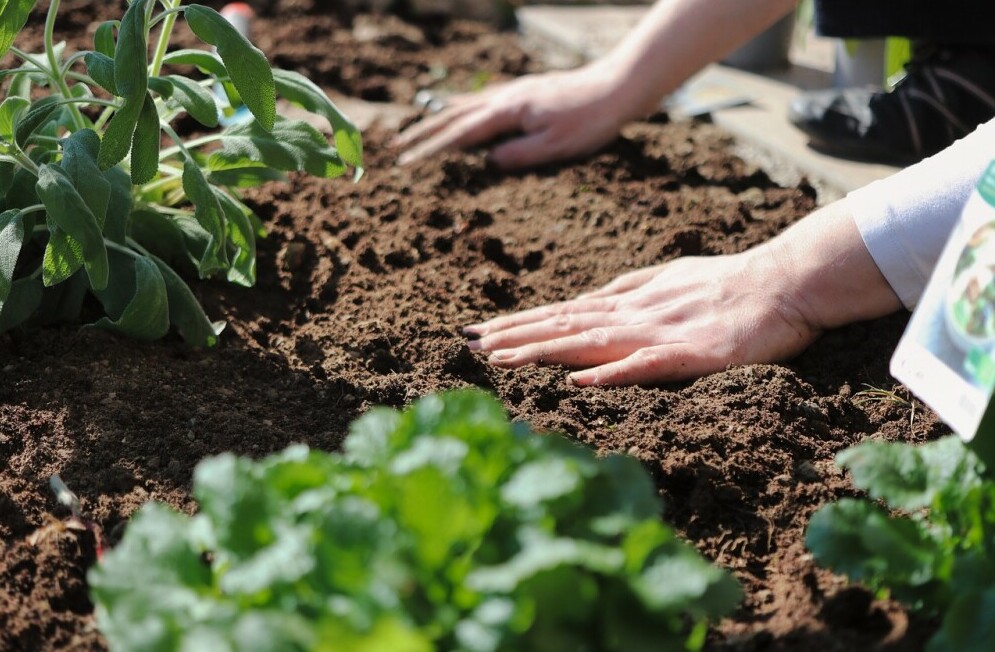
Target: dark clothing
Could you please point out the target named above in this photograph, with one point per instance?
(946, 22)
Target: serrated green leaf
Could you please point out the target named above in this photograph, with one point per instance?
(910, 477)
(369, 437)
(292, 145)
(859, 539)
(11, 240)
(13, 15)
(541, 481)
(247, 65)
(204, 61)
(22, 301)
(79, 160)
(195, 99)
(145, 144)
(138, 284)
(103, 37)
(185, 312)
(101, 68)
(10, 111)
(300, 90)
(70, 213)
(39, 114)
(241, 242)
(208, 213)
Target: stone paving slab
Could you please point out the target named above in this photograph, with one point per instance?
(756, 104)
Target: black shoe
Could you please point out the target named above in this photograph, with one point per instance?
(944, 95)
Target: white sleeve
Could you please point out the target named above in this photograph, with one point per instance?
(906, 218)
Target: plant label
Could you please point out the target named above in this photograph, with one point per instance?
(947, 354)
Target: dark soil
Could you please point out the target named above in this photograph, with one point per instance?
(362, 292)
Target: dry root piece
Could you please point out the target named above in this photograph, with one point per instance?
(75, 522)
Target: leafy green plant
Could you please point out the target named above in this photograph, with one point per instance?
(95, 206)
(445, 527)
(937, 554)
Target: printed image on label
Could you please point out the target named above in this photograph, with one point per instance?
(947, 354)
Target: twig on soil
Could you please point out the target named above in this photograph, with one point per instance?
(76, 520)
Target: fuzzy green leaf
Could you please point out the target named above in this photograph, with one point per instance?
(247, 65)
(241, 241)
(10, 111)
(300, 90)
(103, 37)
(145, 144)
(11, 240)
(241, 174)
(79, 160)
(185, 312)
(292, 145)
(131, 82)
(69, 212)
(118, 205)
(39, 115)
(195, 99)
(208, 213)
(101, 69)
(13, 15)
(204, 61)
(22, 301)
(63, 257)
(136, 300)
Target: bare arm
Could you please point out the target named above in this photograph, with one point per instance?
(564, 114)
(695, 316)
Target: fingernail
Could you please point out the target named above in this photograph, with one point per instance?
(405, 158)
(582, 379)
(475, 330)
(501, 356)
(474, 345)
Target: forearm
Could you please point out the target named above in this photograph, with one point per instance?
(830, 277)
(677, 38)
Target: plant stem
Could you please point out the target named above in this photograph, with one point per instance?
(164, 35)
(53, 10)
(129, 250)
(185, 147)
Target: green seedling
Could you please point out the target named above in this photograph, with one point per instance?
(443, 527)
(98, 215)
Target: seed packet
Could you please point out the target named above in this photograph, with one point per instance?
(947, 354)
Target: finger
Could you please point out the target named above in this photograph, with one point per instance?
(651, 365)
(541, 313)
(529, 150)
(477, 126)
(561, 325)
(596, 346)
(624, 283)
(432, 124)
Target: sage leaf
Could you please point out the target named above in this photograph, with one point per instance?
(185, 312)
(63, 257)
(241, 242)
(195, 99)
(208, 213)
(13, 15)
(241, 174)
(131, 83)
(70, 213)
(39, 114)
(204, 61)
(10, 111)
(136, 300)
(103, 37)
(247, 66)
(118, 205)
(145, 143)
(300, 90)
(101, 69)
(292, 145)
(79, 160)
(22, 301)
(11, 240)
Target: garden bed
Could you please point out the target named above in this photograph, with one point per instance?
(362, 291)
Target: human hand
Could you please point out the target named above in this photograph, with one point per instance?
(679, 320)
(559, 115)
